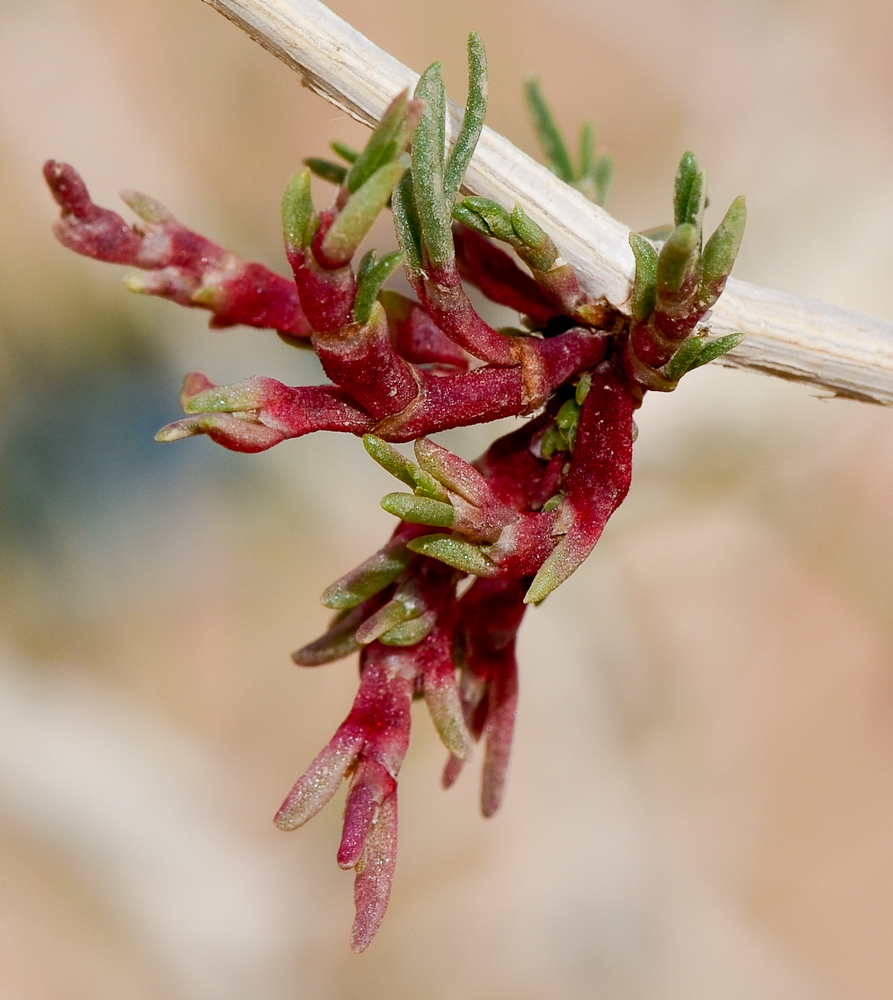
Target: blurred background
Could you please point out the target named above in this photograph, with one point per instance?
(700, 802)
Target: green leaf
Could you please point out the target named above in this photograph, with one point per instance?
(587, 149)
(419, 510)
(410, 632)
(455, 552)
(720, 252)
(344, 151)
(468, 217)
(369, 282)
(562, 561)
(645, 284)
(369, 578)
(539, 252)
(685, 176)
(547, 132)
(553, 440)
(697, 199)
(494, 215)
(604, 175)
(328, 171)
(684, 358)
(297, 207)
(428, 150)
(716, 348)
(472, 120)
(382, 146)
(677, 258)
(339, 641)
(406, 224)
(366, 263)
(393, 614)
(568, 414)
(390, 459)
(403, 469)
(354, 221)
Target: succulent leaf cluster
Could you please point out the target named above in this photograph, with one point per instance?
(435, 612)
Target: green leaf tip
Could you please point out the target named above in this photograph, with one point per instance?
(697, 200)
(347, 153)
(388, 140)
(394, 614)
(697, 352)
(468, 217)
(539, 251)
(328, 171)
(367, 579)
(407, 226)
(568, 414)
(603, 176)
(717, 348)
(336, 643)
(363, 207)
(721, 250)
(684, 358)
(411, 632)
(428, 151)
(645, 284)
(456, 552)
(496, 220)
(566, 557)
(297, 210)
(593, 177)
(677, 258)
(557, 156)
(685, 178)
(472, 120)
(419, 510)
(399, 466)
(369, 281)
(587, 149)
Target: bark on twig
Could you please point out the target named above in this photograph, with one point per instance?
(787, 336)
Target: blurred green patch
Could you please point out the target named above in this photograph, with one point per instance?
(88, 500)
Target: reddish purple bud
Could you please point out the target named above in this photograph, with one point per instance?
(175, 263)
(375, 875)
(84, 227)
(502, 706)
(371, 785)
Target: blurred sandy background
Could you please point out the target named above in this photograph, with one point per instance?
(701, 797)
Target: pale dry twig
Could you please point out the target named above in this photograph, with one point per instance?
(838, 350)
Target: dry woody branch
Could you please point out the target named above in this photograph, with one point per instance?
(834, 349)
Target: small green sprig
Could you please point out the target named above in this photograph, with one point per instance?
(678, 280)
(532, 244)
(328, 170)
(423, 201)
(365, 187)
(684, 277)
(372, 273)
(592, 176)
(563, 433)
